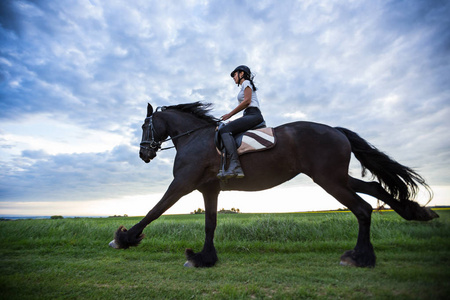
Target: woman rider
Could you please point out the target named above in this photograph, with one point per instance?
(248, 102)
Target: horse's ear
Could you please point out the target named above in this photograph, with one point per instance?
(149, 110)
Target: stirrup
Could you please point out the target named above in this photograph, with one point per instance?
(235, 173)
(240, 174)
(221, 174)
(228, 174)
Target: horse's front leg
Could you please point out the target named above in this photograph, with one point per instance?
(124, 238)
(208, 256)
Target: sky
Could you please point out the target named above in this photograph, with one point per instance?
(76, 77)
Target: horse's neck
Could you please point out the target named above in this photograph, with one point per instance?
(178, 123)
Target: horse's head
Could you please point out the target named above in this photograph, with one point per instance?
(184, 120)
(149, 144)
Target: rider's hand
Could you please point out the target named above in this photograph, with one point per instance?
(226, 117)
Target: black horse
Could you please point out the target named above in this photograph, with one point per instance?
(317, 150)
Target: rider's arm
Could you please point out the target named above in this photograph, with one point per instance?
(243, 105)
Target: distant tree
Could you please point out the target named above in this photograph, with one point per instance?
(56, 217)
(231, 211)
(199, 211)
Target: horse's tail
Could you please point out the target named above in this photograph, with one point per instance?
(401, 182)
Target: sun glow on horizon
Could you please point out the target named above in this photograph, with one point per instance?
(276, 200)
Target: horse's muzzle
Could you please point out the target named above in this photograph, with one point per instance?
(146, 155)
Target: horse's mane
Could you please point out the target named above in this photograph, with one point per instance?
(199, 109)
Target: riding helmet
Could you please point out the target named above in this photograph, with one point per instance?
(243, 68)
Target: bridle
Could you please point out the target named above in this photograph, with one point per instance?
(147, 143)
(150, 143)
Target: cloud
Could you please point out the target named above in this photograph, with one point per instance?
(75, 78)
(83, 176)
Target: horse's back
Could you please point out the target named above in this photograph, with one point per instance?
(318, 148)
(301, 147)
(312, 135)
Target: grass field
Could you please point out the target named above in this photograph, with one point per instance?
(262, 256)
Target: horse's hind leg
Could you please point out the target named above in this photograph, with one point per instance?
(362, 255)
(407, 209)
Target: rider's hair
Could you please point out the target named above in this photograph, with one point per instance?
(250, 77)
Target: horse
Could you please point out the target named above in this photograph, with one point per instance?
(321, 152)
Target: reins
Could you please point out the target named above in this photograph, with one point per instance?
(180, 135)
(153, 144)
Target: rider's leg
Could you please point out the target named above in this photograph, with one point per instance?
(252, 117)
(234, 169)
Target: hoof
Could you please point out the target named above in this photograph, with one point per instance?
(432, 214)
(113, 244)
(188, 264)
(201, 259)
(413, 211)
(358, 259)
(124, 239)
(347, 262)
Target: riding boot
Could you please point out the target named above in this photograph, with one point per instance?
(234, 169)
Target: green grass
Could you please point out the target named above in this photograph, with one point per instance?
(262, 256)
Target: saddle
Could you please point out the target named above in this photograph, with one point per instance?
(258, 138)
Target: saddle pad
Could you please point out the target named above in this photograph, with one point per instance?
(257, 140)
